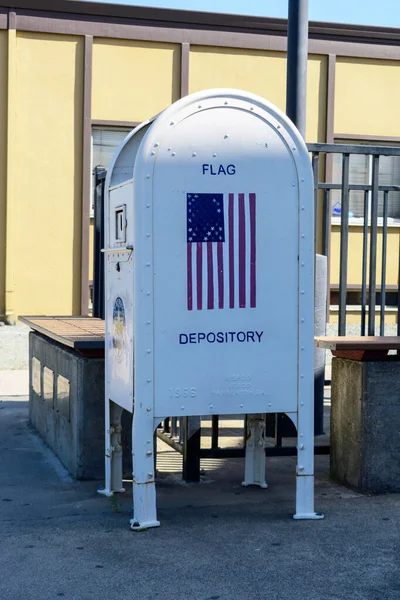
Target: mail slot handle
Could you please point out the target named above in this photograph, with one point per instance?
(126, 249)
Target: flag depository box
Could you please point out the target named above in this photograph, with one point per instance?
(209, 280)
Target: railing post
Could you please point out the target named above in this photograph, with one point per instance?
(315, 167)
(398, 297)
(383, 273)
(364, 265)
(214, 431)
(344, 241)
(327, 222)
(373, 244)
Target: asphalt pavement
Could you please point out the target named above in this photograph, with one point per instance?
(217, 540)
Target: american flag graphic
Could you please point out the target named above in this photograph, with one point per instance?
(221, 251)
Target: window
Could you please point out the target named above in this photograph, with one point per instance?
(360, 172)
(104, 144)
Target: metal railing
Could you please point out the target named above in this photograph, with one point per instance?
(99, 180)
(184, 435)
(370, 230)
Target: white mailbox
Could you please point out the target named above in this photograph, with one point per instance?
(209, 282)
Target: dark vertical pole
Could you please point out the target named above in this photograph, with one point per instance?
(191, 439)
(214, 431)
(278, 430)
(327, 223)
(398, 299)
(364, 265)
(98, 256)
(384, 251)
(373, 244)
(344, 243)
(296, 105)
(296, 77)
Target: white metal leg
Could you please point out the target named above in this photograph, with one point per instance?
(305, 465)
(116, 446)
(144, 486)
(254, 469)
(305, 498)
(113, 450)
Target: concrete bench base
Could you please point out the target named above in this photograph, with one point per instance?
(365, 424)
(66, 405)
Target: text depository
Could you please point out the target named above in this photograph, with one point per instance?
(221, 337)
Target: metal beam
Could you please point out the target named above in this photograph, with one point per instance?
(296, 78)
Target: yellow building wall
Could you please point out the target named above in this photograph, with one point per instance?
(260, 72)
(316, 98)
(133, 81)
(367, 97)
(3, 165)
(46, 257)
(354, 317)
(354, 268)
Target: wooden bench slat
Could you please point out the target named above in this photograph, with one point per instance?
(358, 342)
(81, 333)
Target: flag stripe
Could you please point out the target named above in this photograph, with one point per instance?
(231, 253)
(225, 253)
(242, 253)
(220, 263)
(199, 273)
(247, 245)
(252, 200)
(189, 277)
(204, 263)
(210, 276)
